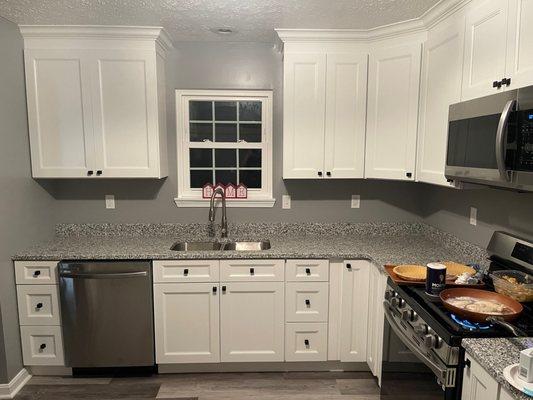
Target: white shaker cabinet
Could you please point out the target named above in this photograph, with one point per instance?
(393, 86)
(324, 115)
(520, 43)
(477, 383)
(376, 315)
(440, 86)
(96, 102)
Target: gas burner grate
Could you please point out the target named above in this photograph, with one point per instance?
(471, 326)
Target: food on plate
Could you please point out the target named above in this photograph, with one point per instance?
(455, 269)
(480, 306)
(411, 272)
(515, 284)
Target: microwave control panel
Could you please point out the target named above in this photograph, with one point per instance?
(525, 141)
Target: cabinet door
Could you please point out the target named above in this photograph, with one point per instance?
(59, 113)
(186, 319)
(252, 321)
(442, 70)
(303, 115)
(485, 48)
(345, 115)
(520, 43)
(126, 114)
(394, 75)
(354, 311)
(378, 283)
(477, 383)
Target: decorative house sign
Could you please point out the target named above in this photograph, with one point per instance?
(242, 191)
(221, 186)
(230, 191)
(207, 191)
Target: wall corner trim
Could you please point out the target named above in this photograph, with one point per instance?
(9, 390)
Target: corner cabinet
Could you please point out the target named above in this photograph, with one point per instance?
(96, 101)
(324, 114)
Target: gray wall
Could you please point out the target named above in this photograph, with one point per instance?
(231, 66)
(25, 208)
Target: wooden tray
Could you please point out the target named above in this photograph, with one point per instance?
(400, 281)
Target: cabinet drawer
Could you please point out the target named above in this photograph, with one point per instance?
(307, 270)
(306, 341)
(38, 304)
(186, 271)
(306, 302)
(252, 270)
(36, 272)
(42, 345)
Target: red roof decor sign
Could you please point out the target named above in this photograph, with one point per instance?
(230, 190)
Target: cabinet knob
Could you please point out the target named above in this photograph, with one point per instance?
(506, 81)
(99, 172)
(37, 273)
(409, 174)
(90, 173)
(223, 289)
(467, 363)
(306, 342)
(496, 84)
(214, 289)
(328, 173)
(38, 306)
(348, 266)
(307, 302)
(42, 346)
(185, 272)
(308, 271)
(319, 173)
(252, 271)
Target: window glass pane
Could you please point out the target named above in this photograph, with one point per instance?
(201, 157)
(250, 132)
(251, 178)
(200, 177)
(225, 176)
(225, 158)
(200, 110)
(226, 110)
(249, 157)
(249, 111)
(225, 132)
(199, 132)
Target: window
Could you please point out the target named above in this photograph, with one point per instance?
(224, 136)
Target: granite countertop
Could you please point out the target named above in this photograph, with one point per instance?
(383, 243)
(497, 353)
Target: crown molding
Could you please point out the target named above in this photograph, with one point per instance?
(108, 32)
(435, 14)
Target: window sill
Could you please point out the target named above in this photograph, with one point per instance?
(184, 202)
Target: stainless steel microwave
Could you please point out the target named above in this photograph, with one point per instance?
(490, 140)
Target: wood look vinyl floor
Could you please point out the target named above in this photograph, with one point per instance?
(227, 386)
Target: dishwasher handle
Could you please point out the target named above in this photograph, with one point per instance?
(108, 275)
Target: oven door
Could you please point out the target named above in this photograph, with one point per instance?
(409, 373)
(482, 140)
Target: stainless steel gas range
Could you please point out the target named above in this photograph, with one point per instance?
(422, 353)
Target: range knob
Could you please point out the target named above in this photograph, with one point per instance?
(389, 294)
(395, 302)
(409, 315)
(430, 341)
(421, 329)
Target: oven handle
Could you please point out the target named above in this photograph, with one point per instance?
(440, 373)
(501, 137)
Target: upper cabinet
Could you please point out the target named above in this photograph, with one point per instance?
(499, 47)
(96, 101)
(393, 83)
(324, 114)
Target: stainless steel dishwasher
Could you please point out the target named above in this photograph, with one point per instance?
(107, 313)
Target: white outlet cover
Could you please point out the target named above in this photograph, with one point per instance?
(473, 216)
(110, 201)
(286, 202)
(356, 201)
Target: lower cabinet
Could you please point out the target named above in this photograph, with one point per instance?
(187, 322)
(374, 343)
(306, 341)
(252, 321)
(478, 384)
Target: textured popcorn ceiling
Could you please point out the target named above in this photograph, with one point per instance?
(190, 20)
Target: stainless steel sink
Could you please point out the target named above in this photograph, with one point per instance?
(210, 246)
(196, 246)
(247, 246)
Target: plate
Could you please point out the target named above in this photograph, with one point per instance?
(510, 373)
(409, 272)
(456, 269)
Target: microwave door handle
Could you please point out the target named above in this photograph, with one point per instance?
(501, 137)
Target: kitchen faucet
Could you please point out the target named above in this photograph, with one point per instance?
(212, 212)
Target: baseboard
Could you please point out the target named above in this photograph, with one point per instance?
(9, 390)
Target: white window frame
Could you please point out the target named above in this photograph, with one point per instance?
(188, 197)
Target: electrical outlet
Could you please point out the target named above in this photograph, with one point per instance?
(356, 201)
(286, 201)
(473, 216)
(110, 201)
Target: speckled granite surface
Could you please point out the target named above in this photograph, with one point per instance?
(496, 354)
(384, 243)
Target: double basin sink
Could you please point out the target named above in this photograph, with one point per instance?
(221, 246)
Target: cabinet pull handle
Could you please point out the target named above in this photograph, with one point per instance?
(328, 173)
(99, 172)
(308, 271)
(214, 289)
(90, 172)
(348, 266)
(408, 174)
(37, 273)
(185, 272)
(252, 271)
(496, 84)
(38, 306)
(319, 173)
(467, 363)
(223, 289)
(307, 303)
(306, 342)
(42, 346)
(506, 81)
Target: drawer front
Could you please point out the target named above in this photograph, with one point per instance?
(252, 270)
(38, 304)
(306, 341)
(306, 302)
(42, 345)
(186, 271)
(307, 270)
(36, 272)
